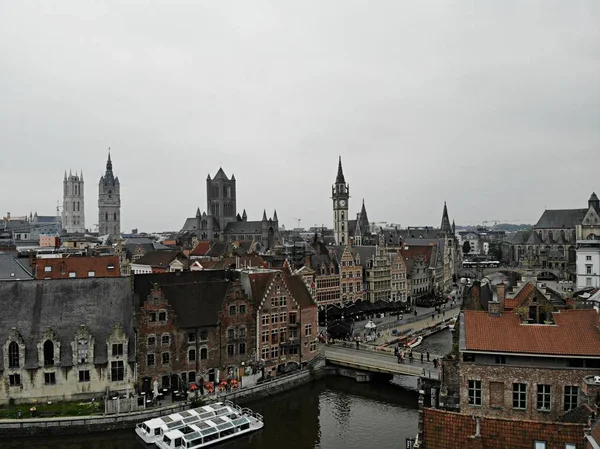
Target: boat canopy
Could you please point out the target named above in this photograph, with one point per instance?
(191, 419)
(209, 431)
(241, 421)
(225, 426)
(174, 424)
(206, 415)
(192, 436)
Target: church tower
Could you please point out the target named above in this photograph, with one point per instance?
(221, 198)
(109, 202)
(446, 227)
(340, 194)
(73, 215)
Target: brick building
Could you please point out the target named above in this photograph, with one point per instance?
(73, 266)
(400, 288)
(350, 276)
(286, 319)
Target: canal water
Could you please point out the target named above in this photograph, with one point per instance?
(333, 413)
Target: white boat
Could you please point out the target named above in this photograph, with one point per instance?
(416, 342)
(212, 431)
(153, 429)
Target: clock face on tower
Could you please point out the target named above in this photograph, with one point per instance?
(342, 203)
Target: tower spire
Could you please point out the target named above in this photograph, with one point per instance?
(445, 227)
(340, 174)
(108, 162)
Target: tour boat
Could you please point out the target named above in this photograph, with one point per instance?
(415, 342)
(212, 431)
(153, 429)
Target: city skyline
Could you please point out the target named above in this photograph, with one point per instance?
(423, 104)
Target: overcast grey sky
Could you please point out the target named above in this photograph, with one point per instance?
(493, 106)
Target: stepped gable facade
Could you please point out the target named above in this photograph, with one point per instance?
(66, 339)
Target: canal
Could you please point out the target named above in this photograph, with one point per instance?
(333, 413)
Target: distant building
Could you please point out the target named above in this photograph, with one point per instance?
(67, 266)
(109, 202)
(166, 261)
(73, 215)
(588, 263)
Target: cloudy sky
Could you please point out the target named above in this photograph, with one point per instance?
(493, 106)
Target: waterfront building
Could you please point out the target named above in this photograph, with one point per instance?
(109, 203)
(378, 276)
(400, 289)
(69, 266)
(73, 214)
(286, 319)
(351, 274)
(51, 351)
(418, 255)
(193, 327)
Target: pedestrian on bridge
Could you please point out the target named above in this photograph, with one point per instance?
(428, 356)
(421, 358)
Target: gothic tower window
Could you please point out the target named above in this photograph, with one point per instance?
(106, 216)
(13, 355)
(115, 216)
(224, 191)
(48, 353)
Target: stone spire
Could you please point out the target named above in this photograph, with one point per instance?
(264, 218)
(275, 215)
(594, 202)
(244, 216)
(340, 174)
(445, 227)
(108, 162)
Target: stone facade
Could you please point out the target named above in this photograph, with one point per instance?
(378, 276)
(73, 214)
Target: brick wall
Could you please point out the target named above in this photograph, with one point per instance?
(443, 430)
(500, 379)
(309, 316)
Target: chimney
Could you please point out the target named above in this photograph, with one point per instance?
(501, 294)
(476, 292)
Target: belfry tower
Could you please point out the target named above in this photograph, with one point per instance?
(340, 194)
(109, 202)
(73, 214)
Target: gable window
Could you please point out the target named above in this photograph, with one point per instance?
(274, 318)
(166, 358)
(152, 316)
(162, 316)
(13, 355)
(242, 332)
(242, 309)
(166, 339)
(265, 320)
(151, 340)
(203, 335)
(192, 355)
(48, 353)
(571, 394)
(117, 371)
(84, 375)
(230, 333)
(203, 353)
(191, 337)
(544, 397)
(82, 350)
(520, 396)
(150, 360)
(49, 378)
(283, 301)
(14, 380)
(117, 349)
(474, 392)
(231, 310)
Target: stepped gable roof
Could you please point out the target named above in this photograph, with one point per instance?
(575, 332)
(196, 304)
(200, 249)
(161, 258)
(63, 305)
(255, 284)
(560, 218)
(298, 288)
(217, 249)
(11, 269)
(243, 227)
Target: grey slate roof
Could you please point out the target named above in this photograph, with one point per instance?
(561, 219)
(12, 269)
(64, 305)
(243, 227)
(534, 239)
(518, 238)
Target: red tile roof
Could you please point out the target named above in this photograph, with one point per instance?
(511, 303)
(575, 332)
(443, 430)
(412, 252)
(200, 249)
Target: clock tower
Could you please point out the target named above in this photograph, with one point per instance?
(109, 202)
(340, 194)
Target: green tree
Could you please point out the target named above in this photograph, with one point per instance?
(495, 251)
(466, 248)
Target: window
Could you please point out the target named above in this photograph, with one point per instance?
(313, 346)
(91, 274)
(275, 318)
(543, 397)
(292, 318)
(14, 380)
(84, 375)
(242, 349)
(474, 392)
(49, 378)
(539, 445)
(166, 358)
(117, 371)
(264, 353)
(117, 349)
(230, 350)
(274, 352)
(110, 267)
(152, 316)
(192, 355)
(588, 269)
(47, 269)
(165, 339)
(274, 336)
(265, 319)
(162, 316)
(191, 337)
(151, 340)
(13, 355)
(308, 329)
(520, 396)
(48, 353)
(283, 317)
(571, 393)
(283, 301)
(203, 353)
(230, 333)
(231, 310)
(588, 257)
(570, 446)
(192, 376)
(501, 360)
(242, 309)
(72, 274)
(150, 360)
(242, 332)
(265, 337)
(282, 334)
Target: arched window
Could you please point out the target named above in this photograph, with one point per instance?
(13, 355)
(106, 216)
(115, 216)
(224, 191)
(48, 353)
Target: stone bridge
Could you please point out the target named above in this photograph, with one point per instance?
(377, 362)
(546, 273)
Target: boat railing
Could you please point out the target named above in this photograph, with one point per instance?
(258, 416)
(229, 403)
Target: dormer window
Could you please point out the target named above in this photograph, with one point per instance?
(48, 353)
(13, 355)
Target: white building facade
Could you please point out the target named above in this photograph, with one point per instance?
(588, 263)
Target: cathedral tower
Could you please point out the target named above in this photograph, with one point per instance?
(340, 193)
(73, 215)
(109, 202)
(220, 198)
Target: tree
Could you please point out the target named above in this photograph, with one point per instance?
(466, 248)
(495, 251)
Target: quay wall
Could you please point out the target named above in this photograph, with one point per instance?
(27, 427)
